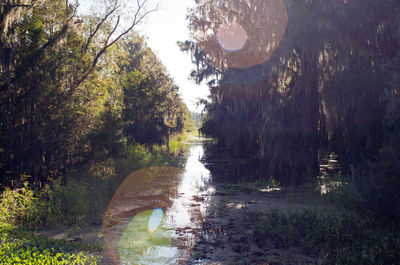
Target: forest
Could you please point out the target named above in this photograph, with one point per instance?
(328, 83)
(295, 84)
(302, 92)
(80, 95)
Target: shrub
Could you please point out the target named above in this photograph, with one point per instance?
(19, 206)
(64, 204)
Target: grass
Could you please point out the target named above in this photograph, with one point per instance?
(19, 246)
(330, 239)
(78, 199)
(22, 208)
(83, 196)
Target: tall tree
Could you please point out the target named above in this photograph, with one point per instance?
(308, 77)
(52, 83)
(152, 109)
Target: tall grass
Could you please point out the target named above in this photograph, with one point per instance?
(19, 206)
(78, 199)
(82, 197)
(331, 239)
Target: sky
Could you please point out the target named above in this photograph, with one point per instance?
(162, 29)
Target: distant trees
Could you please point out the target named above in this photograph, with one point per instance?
(62, 100)
(152, 109)
(323, 85)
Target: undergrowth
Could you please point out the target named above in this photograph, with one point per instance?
(81, 197)
(75, 200)
(331, 239)
(22, 247)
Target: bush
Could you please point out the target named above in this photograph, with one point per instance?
(19, 206)
(80, 198)
(64, 204)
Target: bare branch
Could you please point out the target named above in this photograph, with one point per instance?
(137, 18)
(115, 8)
(113, 31)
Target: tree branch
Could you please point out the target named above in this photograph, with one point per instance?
(113, 31)
(52, 41)
(136, 19)
(115, 8)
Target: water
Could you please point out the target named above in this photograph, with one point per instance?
(156, 215)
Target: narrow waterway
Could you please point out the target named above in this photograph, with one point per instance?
(156, 215)
(186, 215)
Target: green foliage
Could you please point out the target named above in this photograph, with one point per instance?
(18, 206)
(21, 247)
(83, 197)
(152, 108)
(139, 156)
(65, 204)
(66, 105)
(196, 119)
(343, 239)
(178, 143)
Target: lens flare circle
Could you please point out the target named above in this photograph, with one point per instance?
(249, 41)
(231, 37)
(155, 220)
(132, 224)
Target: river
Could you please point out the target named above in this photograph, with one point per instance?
(156, 215)
(187, 215)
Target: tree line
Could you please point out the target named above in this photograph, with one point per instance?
(78, 89)
(314, 77)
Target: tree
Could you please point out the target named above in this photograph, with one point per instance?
(53, 88)
(298, 87)
(152, 107)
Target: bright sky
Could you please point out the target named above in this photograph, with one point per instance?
(162, 30)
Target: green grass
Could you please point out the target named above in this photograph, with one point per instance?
(22, 247)
(330, 239)
(83, 196)
(79, 199)
(178, 143)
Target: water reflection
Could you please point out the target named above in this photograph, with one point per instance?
(156, 215)
(231, 167)
(187, 212)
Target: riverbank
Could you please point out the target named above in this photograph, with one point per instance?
(61, 223)
(289, 226)
(244, 225)
(228, 230)
(209, 222)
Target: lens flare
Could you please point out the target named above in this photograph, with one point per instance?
(231, 37)
(155, 219)
(137, 245)
(249, 41)
(132, 225)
